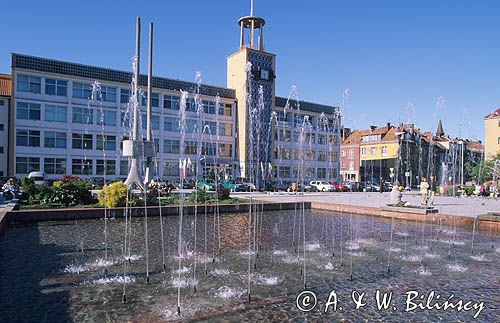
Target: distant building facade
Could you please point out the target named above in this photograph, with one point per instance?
(407, 154)
(5, 96)
(492, 134)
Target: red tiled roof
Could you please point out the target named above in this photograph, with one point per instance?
(5, 85)
(494, 114)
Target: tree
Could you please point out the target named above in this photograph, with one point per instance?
(487, 171)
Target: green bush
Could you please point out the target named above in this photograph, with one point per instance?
(469, 190)
(198, 197)
(71, 190)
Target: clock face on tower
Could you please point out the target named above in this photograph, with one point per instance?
(264, 74)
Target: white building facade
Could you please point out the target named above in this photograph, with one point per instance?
(57, 128)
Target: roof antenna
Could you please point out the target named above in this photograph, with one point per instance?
(251, 8)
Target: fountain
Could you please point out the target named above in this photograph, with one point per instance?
(257, 255)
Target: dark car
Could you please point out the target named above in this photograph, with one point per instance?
(188, 184)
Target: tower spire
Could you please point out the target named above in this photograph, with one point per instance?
(251, 8)
(439, 130)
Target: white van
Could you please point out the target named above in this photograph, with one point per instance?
(39, 177)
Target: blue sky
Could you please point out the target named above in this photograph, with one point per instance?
(389, 54)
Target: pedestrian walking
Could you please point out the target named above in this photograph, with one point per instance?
(424, 189)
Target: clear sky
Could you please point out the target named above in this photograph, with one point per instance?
(389, 54)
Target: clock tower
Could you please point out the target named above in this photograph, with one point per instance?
(251, 73)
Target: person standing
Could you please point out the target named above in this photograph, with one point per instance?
(433, 187)
(424, 189)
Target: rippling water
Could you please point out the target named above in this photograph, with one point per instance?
(58, 271)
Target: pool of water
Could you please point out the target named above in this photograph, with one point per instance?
(63, 271)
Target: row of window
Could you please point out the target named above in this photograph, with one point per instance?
(344, 153)
(306, 154)
(84, 115)
(33, 84)
(56, 139)
(373, 151)
(322, 123)
(79, 166)
(351, 165)
(285, 135)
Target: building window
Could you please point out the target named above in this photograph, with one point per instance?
(191, 106)
(321, 172)
(25, 165)
(28, 111)
(155, 121)
(499, 140)
(209, 127)
(351, 165)
(105, 143)
(363, 151)
(342, 165)
(191, 125)
(190, 147)
(53, 139)
(171, 124)
(2, 127)
(155, 100)
(81, 166)
(56, 87)
(106, 117)
(171, 146)
(351, 153)
(209, 148)
(209, 107)
(56, 113)
(225, 129)
(171, 102)
(82, 90)
(171, 168)
(2, 150)
(108, 93)
(123, 167)
(225, 150)
(83, 115)
(27, 138)
(343, 153)
(2, 103)
(225, 110)
(124, 95)
(322, 155)
(27, 83)
(54, 165)
(81, 141)
(108, 165)
(384, 150)
(373, 151)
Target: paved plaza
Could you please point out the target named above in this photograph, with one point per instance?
(464, 206)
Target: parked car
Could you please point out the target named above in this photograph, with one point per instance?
(387, 186)
(280, 186)
(187, 184)
(322, 186)
(243, 180)
(206, 185)
(339, 187)
(230, 185)
(40, 178)
(373, 187)
(243, 187)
